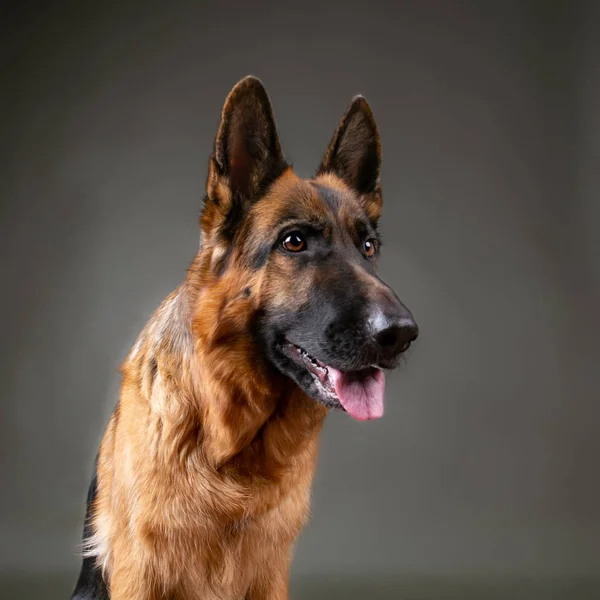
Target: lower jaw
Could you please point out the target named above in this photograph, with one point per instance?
(327, 398)
(320, 374)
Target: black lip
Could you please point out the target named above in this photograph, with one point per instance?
(314, 366)
(320, 385)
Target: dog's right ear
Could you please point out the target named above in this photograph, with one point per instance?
(247, 157)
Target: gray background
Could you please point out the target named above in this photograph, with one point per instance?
(482, 479)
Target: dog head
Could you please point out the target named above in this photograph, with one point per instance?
(302, 254)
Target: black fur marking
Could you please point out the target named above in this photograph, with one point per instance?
(233, 219)
(332, 198)
(260, 256)
(91, 584)
(364, 231)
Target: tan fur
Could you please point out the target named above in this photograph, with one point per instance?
(205, 469)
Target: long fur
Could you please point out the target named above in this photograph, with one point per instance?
(203, 477)
(198, 457)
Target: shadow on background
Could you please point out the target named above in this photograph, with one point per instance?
(26, 586)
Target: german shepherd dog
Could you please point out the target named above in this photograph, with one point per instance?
(203, 477)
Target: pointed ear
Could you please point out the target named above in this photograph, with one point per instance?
(354, 153)
(246, 158)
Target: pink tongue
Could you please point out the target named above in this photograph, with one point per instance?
(360, 393)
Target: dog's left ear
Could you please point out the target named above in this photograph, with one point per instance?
(354, 154)
(246, 158)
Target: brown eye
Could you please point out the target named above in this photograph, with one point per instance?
(369, 248)
(294, 242)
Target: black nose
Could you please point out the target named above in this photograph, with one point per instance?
(394, 335)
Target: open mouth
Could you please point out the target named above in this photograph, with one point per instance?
(360, 393)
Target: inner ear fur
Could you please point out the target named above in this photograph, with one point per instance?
(246, 157)
(354, 154)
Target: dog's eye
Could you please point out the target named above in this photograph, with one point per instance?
(294, 242)
(369, 247)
